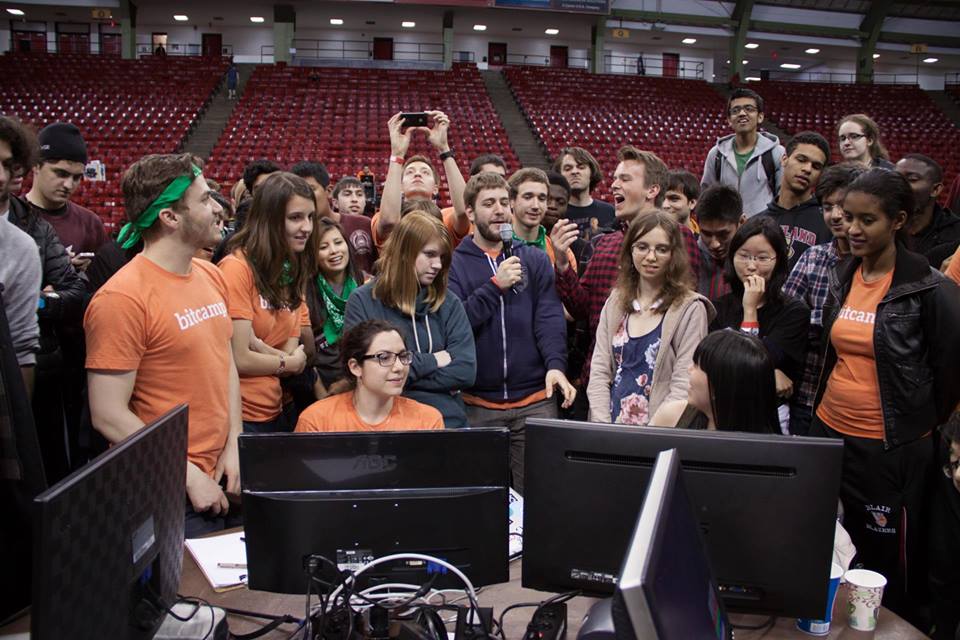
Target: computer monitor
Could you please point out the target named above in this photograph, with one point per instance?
(108, 544)
(353, 497)
(666, 590)
(766, 504)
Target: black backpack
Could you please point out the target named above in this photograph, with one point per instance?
(769, 168)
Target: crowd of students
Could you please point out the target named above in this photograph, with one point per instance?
(777, 294)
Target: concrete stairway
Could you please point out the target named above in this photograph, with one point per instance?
(947, 104)
(212, 122)
(524, 142)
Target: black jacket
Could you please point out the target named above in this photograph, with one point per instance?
(57, 270)
(803, 226)
(941, 237)
(916, 345)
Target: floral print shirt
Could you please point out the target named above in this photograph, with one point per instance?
(635, 358)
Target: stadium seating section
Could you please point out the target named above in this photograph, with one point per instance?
(679, 120)
(124, 108)
(339, 116)
(909, 120)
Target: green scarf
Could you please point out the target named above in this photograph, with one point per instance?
(132, 231)
(335, 305)
(540, 242)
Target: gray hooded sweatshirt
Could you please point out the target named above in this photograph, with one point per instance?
(753, 184)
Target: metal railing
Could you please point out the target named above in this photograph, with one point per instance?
(951, 78)
(178, 49)
(834, 77)
(308, 49)
(539, 60)
(464, 56)
(651, 66)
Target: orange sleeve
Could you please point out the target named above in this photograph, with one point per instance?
(374, 230)
(240, 287)
(449, 215)
(953, 269)
(304, 316)
(116, 332)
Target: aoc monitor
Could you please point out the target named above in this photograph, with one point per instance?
(766, 504)
(108, 546)
(354, 497)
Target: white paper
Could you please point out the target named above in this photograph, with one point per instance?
(209, 552)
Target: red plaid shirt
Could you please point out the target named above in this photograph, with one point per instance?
(585, 297)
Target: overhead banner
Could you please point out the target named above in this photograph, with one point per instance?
(580, 6)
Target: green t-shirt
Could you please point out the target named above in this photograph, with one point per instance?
(742, 159)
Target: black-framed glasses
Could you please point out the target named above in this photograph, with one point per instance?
(387, 358)
(852, 137)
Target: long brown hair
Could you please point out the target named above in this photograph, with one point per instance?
(263, 240)
(871, 130)
(397, 285)
(677, 281)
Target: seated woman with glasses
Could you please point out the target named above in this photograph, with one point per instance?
(410, 292)
(649, 326)
(376, 361)
(756, 269)
(858, 137)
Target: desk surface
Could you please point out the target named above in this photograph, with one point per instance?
(499, 596)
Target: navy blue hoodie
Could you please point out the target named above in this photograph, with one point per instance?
(426, 333)
(520, 333)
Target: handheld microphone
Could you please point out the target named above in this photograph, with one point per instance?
(506, 234)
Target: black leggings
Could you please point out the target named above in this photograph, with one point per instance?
(884, 493)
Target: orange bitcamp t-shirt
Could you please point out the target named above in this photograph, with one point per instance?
(953, 269)
(337, 413)
(449, 221)
(174, 331)
(851, 402)
(261, 395)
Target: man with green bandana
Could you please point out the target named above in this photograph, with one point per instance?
(158, 334)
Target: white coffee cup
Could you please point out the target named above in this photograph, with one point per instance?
(865, 594)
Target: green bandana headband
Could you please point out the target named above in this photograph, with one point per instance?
(132, 231)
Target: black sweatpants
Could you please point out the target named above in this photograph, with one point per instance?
(884, 494)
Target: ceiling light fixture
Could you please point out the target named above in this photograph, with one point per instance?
(751, 45)
(408, 24)
(336, 21)
(256, 19)
(789, 65)
(15, 12)
(753, 79)
(551, 31)
(479, 27)
(689, 41)
(180, 17)
(876, 55)
(812, 51)
(931, 60)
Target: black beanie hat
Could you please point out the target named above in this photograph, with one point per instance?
(62, 141)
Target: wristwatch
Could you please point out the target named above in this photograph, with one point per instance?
(282, 367)
(446, 154)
